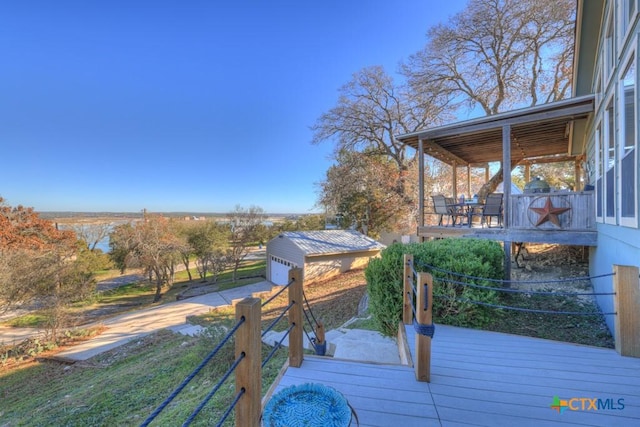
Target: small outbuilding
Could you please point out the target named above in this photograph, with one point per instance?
(320, 254)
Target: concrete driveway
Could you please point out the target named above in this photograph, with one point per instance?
(130, 326)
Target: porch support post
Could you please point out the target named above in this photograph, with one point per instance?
(527, 172)
(577, 175)
(454, 179)
(420, 183)
(469, 194)
(506, 203)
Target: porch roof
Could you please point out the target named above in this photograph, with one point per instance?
(536, 132)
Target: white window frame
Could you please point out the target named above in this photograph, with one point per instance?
(627, 221)
(609, 47)
(627, 13)
(607, 134)
(598, 172)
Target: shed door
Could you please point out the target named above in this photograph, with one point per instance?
(280, 271)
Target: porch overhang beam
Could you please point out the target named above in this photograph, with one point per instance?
(576, 111)
(430, 147)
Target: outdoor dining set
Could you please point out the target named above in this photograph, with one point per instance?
(462, 211)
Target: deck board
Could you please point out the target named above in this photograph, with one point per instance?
(485, 379)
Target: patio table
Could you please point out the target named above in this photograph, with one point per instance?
(468, 207)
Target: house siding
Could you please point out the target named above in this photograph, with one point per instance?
(284, 249)
(618, 237)
(322, 254)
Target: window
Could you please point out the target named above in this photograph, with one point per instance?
(627, 12)
(599, 169)
(609, 146)
(609, 48)
(627, 144)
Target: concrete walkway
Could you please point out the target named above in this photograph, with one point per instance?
(127, 327)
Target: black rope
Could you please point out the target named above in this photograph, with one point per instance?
(277, 319)
(311, 340)
(424, 329)
(193, 374)
(528, 310)
(215, 389)
(413, 269)
(520, 291)
(432, 267)
(413, 305)
(278, 293)
(231, 407)
(277, 346)
(306, 301)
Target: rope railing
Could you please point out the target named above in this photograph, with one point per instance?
(214, 390)
(277, 346)
(248, 365)
(277, 319)
(231, 407)
(527, 310)
(624, 298)
(195, 372)
(518, 291)
(526, 282)
(522, 291)
(277, 294)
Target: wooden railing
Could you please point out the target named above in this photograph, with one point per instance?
(249, 342)
(580, 215)
(417, 310)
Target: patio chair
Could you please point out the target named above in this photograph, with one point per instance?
(492, 207)
(455, 210)
(442, 207)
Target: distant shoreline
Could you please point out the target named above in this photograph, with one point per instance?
(69, 216)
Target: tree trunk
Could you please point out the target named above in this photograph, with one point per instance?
(491, 185)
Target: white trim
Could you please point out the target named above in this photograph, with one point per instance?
(621, 155)
(599, 171)
(609, 44)
(626, 25)
(609, 159)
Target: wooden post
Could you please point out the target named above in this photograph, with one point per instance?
(407, 296)
(249, 372)
(320, 333)
(626, 285)
(295, 318)
(421, 221)
(424, 316)
(454, 177)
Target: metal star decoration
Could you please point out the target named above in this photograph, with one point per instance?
(549, 213)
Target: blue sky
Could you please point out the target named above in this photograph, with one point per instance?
(184, 105)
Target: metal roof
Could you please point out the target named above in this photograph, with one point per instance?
(538, 131)
(323, 242)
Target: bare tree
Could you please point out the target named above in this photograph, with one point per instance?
(499, 53)
(370, 111)
(153, 245)
(92, 234)
(245, 229)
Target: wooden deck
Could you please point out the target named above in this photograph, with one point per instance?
(485, 379)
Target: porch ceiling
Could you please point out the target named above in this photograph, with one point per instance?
(539, 131)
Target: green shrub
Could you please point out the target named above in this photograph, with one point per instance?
(470, 257)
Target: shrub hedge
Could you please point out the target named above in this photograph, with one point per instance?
(470, 257)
